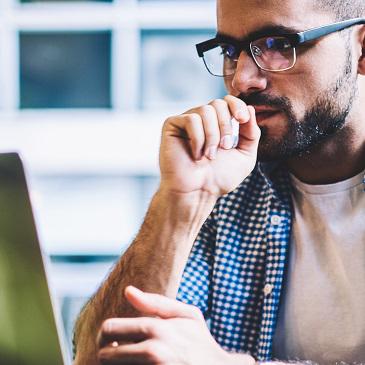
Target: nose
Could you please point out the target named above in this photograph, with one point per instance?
(248, 78)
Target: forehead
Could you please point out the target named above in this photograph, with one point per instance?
(241, 17)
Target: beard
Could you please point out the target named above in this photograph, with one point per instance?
(324, 119)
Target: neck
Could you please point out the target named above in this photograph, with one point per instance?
(338, 158)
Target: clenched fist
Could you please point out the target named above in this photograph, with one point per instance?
(197, 149)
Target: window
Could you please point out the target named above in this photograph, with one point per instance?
(65, 70)
(87, 85)
(64, 1)
(170, 70)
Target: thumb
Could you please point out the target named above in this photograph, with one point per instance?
(159, 305)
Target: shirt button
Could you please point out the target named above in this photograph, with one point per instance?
(275, 220)
(268, 289)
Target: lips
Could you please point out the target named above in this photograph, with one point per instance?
(264, 112)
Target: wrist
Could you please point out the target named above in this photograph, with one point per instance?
(189, 206)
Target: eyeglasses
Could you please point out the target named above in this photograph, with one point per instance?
(271, 52)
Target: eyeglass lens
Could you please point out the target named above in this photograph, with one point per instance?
(270, 53)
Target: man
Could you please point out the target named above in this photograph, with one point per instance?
(298, 214)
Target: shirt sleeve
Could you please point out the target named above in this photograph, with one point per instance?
(196, 279)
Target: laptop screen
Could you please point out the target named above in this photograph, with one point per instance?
(28, 331)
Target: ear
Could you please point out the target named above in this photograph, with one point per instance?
(361, 44)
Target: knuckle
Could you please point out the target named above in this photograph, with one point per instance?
(146, 326)
(234, 101)
(103, 356)
(106, 327)
(171, 119)
(157, 330)
(225, 122)
(152, 353)
(207, 109)
(225, 126)
(211, 137)
(196, 312)
(168, 121)
(218, 103)
(193, 118)
(228, 98)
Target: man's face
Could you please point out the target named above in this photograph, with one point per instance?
(298, 108)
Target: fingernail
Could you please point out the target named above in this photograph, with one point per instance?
(235, 141)
(226, 142)
(242, 115)
(235, 131)
(211, 152)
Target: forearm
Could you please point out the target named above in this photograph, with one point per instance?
(154, 262)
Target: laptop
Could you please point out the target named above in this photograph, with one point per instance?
(31, 332)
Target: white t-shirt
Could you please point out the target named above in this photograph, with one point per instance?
(322, 312)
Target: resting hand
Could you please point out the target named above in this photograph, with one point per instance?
(176, 335)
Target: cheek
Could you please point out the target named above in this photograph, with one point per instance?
(303, 89)
(313, 85)
(322, 66)
(299, 89)
(304, 92)
(228, 86)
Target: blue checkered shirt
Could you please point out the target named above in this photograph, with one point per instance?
(236, 267)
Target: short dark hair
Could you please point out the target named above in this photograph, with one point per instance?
(343, 9)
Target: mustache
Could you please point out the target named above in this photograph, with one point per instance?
(277, 102)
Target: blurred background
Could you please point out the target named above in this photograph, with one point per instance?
(85, 88)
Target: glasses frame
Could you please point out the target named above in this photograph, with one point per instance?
(295, 40)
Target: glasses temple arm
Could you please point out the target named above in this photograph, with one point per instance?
(315, 33)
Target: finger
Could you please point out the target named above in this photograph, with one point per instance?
(159, 305)
(224, 121)
(249, 134)
(238, 108)
(125, 330)
(192, 125)
(211, 131)
(142, 353)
